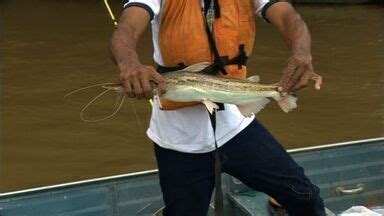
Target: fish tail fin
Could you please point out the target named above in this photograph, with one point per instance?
(287, 103)
(247, 110)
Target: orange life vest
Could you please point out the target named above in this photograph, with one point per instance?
(183, 38)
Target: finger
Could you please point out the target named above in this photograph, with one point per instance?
(287, 73)
(147, 88)
(137, 88)
(128, 88)
(161, 85)
(303, 82)
(318, 81)
(295, 78)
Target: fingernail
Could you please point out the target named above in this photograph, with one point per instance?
(284, 94)
(279, 88)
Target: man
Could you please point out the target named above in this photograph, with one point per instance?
(186, 32)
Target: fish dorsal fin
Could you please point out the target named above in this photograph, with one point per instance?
(252, 108)
(254, 79)
(196, 67)
(210, 105)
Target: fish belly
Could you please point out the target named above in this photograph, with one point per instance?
(188, 94)
(237, 97)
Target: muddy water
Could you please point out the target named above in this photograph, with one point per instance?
(53, 47)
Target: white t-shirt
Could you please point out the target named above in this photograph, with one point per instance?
(189, 129)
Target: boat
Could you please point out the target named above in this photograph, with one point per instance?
(348, 174)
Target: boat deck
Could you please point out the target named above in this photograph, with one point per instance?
(347, 173)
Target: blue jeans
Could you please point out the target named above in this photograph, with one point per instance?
(254, 157)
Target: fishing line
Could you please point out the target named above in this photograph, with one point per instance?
(92, 101)
(136, 115)
(117, 101)
(87, 87)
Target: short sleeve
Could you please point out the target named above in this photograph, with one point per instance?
(261, 7)
(152, 6)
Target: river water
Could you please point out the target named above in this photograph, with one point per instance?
(52, 47)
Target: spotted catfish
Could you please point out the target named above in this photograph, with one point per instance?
(189, 85)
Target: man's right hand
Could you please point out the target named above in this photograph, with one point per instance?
(135, 77)
(136, 80)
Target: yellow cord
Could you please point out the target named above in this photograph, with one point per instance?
(115, 24)
(110, 13)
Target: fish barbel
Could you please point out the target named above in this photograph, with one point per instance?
(188, 85)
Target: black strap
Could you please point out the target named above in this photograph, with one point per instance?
(241, 59)
(219, 201)
(218, 64)
(207, 5)
(217, 9)
(221, 61)
(162, 69)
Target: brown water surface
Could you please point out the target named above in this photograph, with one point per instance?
(53, 47)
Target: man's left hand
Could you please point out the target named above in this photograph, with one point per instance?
(297, 74)
(299, 70)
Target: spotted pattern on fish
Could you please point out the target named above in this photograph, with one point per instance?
(214, 82)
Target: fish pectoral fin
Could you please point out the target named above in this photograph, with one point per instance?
(254, 79)
(247, 110)
(211, 106)
(197, 67)
(157, 98)
(287, 103)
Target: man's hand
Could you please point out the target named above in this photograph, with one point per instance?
(297, 74)
(136, 79)
(299, 70)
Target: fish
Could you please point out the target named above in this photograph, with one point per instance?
(190, 85)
